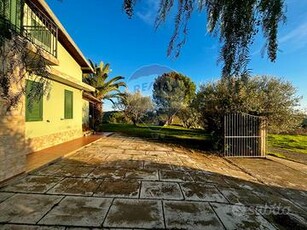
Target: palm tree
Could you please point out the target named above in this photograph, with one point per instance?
(106, 88)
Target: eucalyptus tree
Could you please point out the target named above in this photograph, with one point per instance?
(235, 22)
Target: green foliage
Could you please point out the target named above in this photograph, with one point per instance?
(113, 117)
(263, 96)
(135, 106)
(235, 22)
(18, 63)
(106, 88)
(173, 92)
(189, 116)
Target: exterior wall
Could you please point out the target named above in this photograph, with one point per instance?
(54, 129)
(13, 147)
(67, 64)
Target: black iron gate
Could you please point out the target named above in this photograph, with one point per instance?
(244, 135)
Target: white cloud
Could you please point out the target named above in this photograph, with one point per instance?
(296, 37)
(148, 12)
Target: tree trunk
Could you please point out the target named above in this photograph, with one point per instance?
(97, 115)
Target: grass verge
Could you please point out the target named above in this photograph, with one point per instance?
(192, 138)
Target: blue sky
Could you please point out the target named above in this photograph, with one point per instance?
(103, 32)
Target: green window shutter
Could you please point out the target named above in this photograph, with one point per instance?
(34, 108)
(68, 105)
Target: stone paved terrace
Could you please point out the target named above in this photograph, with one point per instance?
(129, 183)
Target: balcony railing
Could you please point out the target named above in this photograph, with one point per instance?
(28, 20)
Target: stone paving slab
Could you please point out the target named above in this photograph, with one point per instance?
(142, 174)
(5, 195)
(28, 227)
(33, 184)
(119, 188)
(175, 176)
(240, 217)
(129, 183)
(161, 190)
(26, 208)
(74, 171)
(190, 215)
(135, 214)
(240, 196)
(290, 177)
(78, 211)
(104, 173)
(76, 186)
(202, 192)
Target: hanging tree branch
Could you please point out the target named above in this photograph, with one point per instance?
(236, 22)
(18, 63)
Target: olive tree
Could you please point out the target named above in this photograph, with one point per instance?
(266, 96)
(134, 106)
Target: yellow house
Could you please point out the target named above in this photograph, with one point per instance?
(55, 118)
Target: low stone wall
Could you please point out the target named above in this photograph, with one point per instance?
(43, 142)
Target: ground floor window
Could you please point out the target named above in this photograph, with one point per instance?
(68, 105)
(34, 105)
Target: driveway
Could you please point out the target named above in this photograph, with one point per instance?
(129, 183)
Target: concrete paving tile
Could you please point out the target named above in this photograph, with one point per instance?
(240, 196)
(240, 217)
(105, 173)
(33, 184)
(130, 164)
(156, 166)
(202, 192)
(28, 227)
(161, 190)
(112, 150)
(135, 152)
(190, 215)
(142, 174)
(175, 176)
(199, 176)
(5, 195)
(78, 211)
(74, 171)
(76, 186)
(48, 170)
(118, 188)
(296, 196)
(26, 208)
(156, 153)
(274, 200)
(130, 213)
(286, 221)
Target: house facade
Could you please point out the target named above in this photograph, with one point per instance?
(53, 118)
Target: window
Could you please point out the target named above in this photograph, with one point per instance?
(34, 106)
(68, 105)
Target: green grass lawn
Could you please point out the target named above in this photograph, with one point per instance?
(192, 138)
(293, 143)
